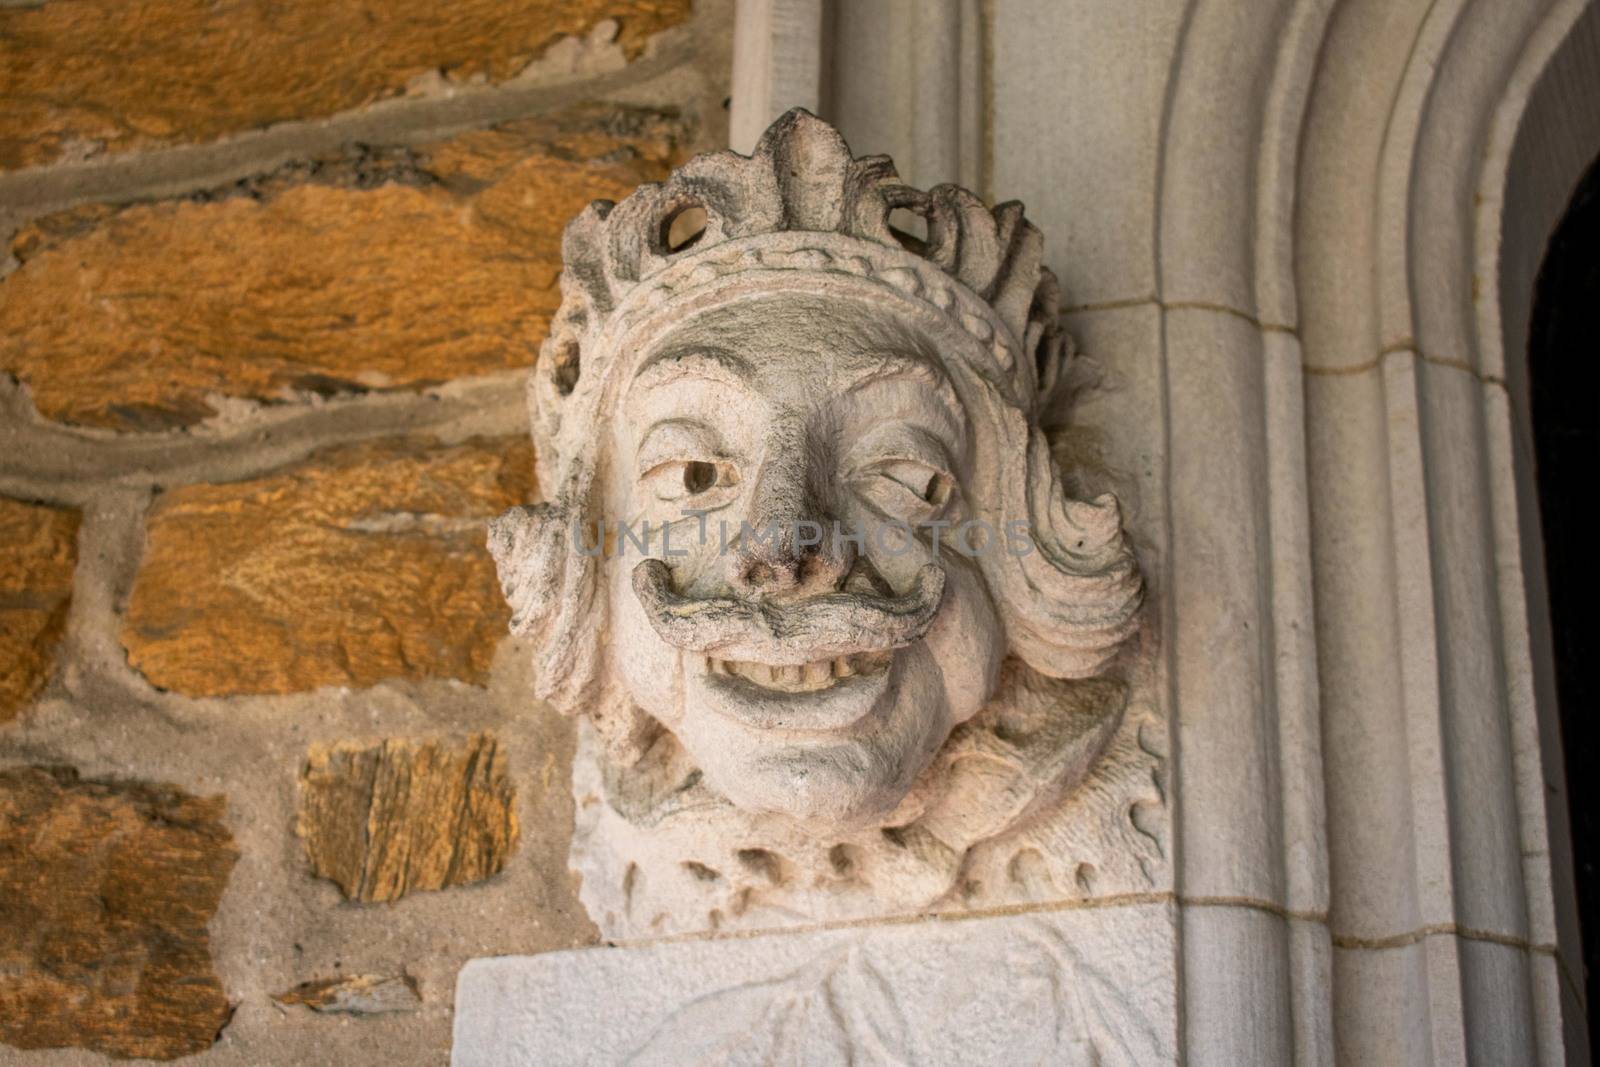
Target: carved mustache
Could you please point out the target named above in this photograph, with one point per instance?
(819, 627)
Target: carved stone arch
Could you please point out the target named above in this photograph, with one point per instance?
(1414, 384)
(1545, 127)
(1361, 291)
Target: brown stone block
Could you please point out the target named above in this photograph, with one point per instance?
(385, 820)
(356, 994)
(377, 270)
(365, 562)
(40, 549)
(105, 892)
(132, 73)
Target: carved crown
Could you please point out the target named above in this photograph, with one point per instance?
(801, 202)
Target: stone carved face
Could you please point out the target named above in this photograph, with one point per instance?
(810, 673)
(802, 372)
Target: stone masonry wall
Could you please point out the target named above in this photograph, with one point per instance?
(272, 278)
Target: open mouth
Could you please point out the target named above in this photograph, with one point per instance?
(820, 696)
(803, 677)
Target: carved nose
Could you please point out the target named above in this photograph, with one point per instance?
(786, 561)
(789, 544)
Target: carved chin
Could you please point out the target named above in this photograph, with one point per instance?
(839, 755)
(1036, 794)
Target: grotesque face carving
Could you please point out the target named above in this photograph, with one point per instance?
(809, 656)
(802, 524)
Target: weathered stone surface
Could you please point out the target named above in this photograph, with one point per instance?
(795, 729)
(385, 820)
(1095, 986)
(36, 564)
(364, 562)
(378, 270)
(105, 892)
(79, 75)
(356, 994)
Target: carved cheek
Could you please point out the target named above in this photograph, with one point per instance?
(964, 639)
(650, 668)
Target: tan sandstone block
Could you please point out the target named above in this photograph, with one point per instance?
(378, 270)
(362, 563)
(131, 73)
(38, 550)
(385, 820)
(105, 892)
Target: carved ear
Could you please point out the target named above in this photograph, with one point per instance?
(551, 590)
(525, 577)
(1071, 591)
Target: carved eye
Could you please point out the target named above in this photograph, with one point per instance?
(698, 477)
(696, 482)
(905, 488)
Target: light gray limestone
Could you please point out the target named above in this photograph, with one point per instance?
(1083, 986)
(1078, 92)
(778, 63)
(907, 78)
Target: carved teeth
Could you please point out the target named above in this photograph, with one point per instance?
(872, 662)
(803, 677)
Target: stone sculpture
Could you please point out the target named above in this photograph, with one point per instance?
(839, 639)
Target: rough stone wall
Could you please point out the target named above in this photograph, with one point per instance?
(273, 275)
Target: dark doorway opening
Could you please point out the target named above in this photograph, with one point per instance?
(1564, 390)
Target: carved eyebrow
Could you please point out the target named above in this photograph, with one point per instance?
(889, 365)
(898, 440)
(720, 365)
(710, 364)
